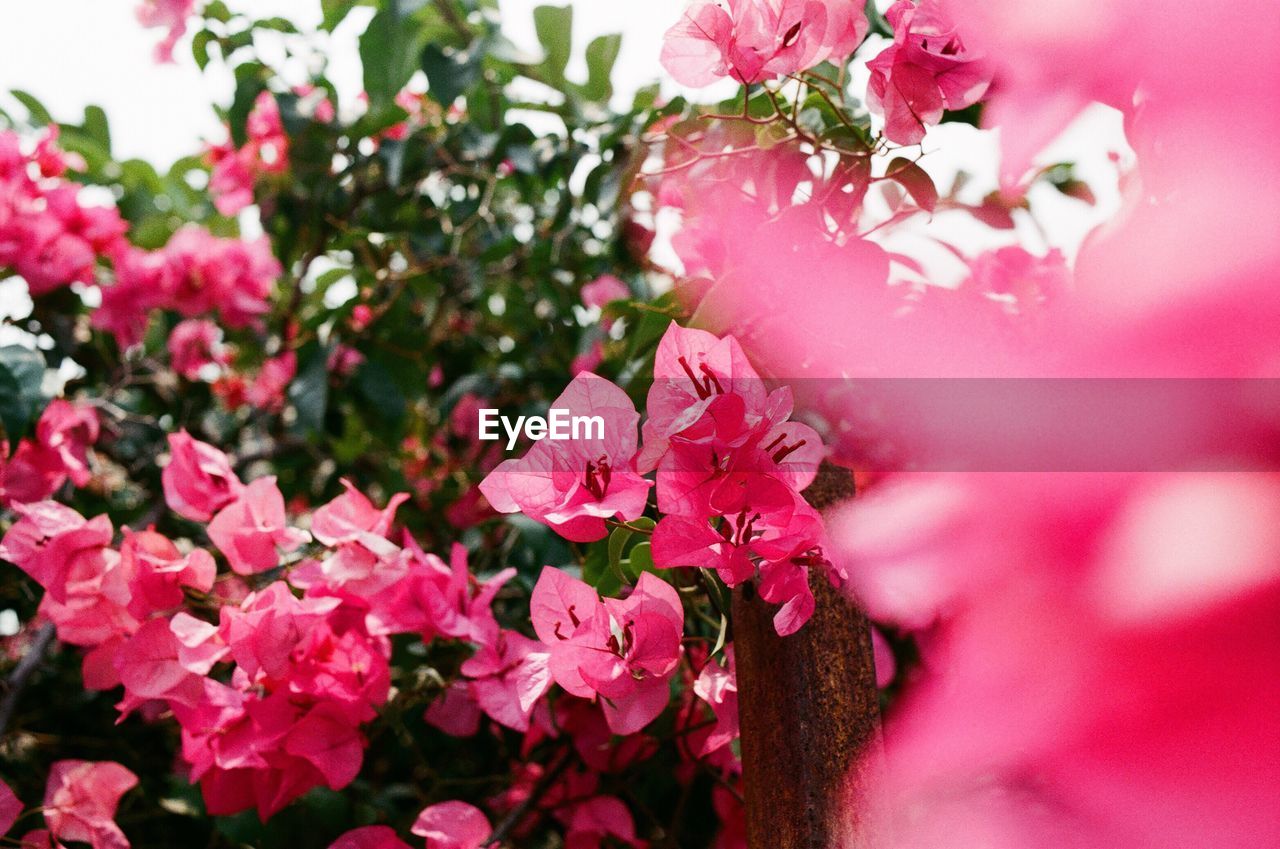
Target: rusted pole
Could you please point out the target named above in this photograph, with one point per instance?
(809, 712)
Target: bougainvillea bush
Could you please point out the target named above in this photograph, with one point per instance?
(278, 569)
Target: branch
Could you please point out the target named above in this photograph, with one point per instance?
(21, 674)
(513, 817)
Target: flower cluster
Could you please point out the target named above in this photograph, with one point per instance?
(235, 170)
(731, 467)
(195, 274)
(59, 452)
(926, 69)
(754, 40)
(270, 682)
(46, 235)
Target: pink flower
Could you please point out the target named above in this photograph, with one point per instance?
(194, 344)
(168, 14)
(252, 529)
(1137, 582)
(143, 281)
(926, 70)
(267, 392)
(266, 151)
(623, 650)
(370, 837)
(198, 481)
(754, 40)
(32, 473)
(68, 430)
(718, 686)
(573, 485)
(588, 360)
(508, 675)
(604, 290)
(452, 825)
(10, 808)
(231, 277)
(701, 383)
(58, 548)
(158, 571)
(80, 802)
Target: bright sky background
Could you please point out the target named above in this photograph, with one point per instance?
(70, 53)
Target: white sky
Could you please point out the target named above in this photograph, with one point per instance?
(70, 53)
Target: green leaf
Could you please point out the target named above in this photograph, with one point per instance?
(309, 391)
(389, 51)
(554, 25)
(640, 561)
(596, 571)
(96, 127)
(334, 12)
(617, 542)
(36, 112)
(602, 53)
(21, 399)
(448, 76)
(916, 181)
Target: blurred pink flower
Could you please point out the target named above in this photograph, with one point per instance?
(754, 40)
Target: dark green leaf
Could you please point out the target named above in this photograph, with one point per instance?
(602, 52)
(389, 51)
(448, 75)
(21, 375)
(554, 25)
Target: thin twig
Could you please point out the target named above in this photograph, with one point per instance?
(21, 674)
(513, 817)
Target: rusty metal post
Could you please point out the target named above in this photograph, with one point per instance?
(809, 712)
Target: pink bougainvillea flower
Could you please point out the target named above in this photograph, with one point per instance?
(351, 517)
(230, 277)
(10, 808)
(604, 290)
(158, 571)
(573, 485)
(600, 819)
(508, 675)
(31, 474)
(148, 666)
(717, 685)
(754, 40)
(926, 70)
(370, 837)
(80, 802)
(194, 344)
(58, 548)
(170, 15)
(622, 650)
(267, 391)
(264, 630)
(1137, 581)
(453, 825)
(266, 151)
(253, 529)
(68, 430)
(198, 481)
